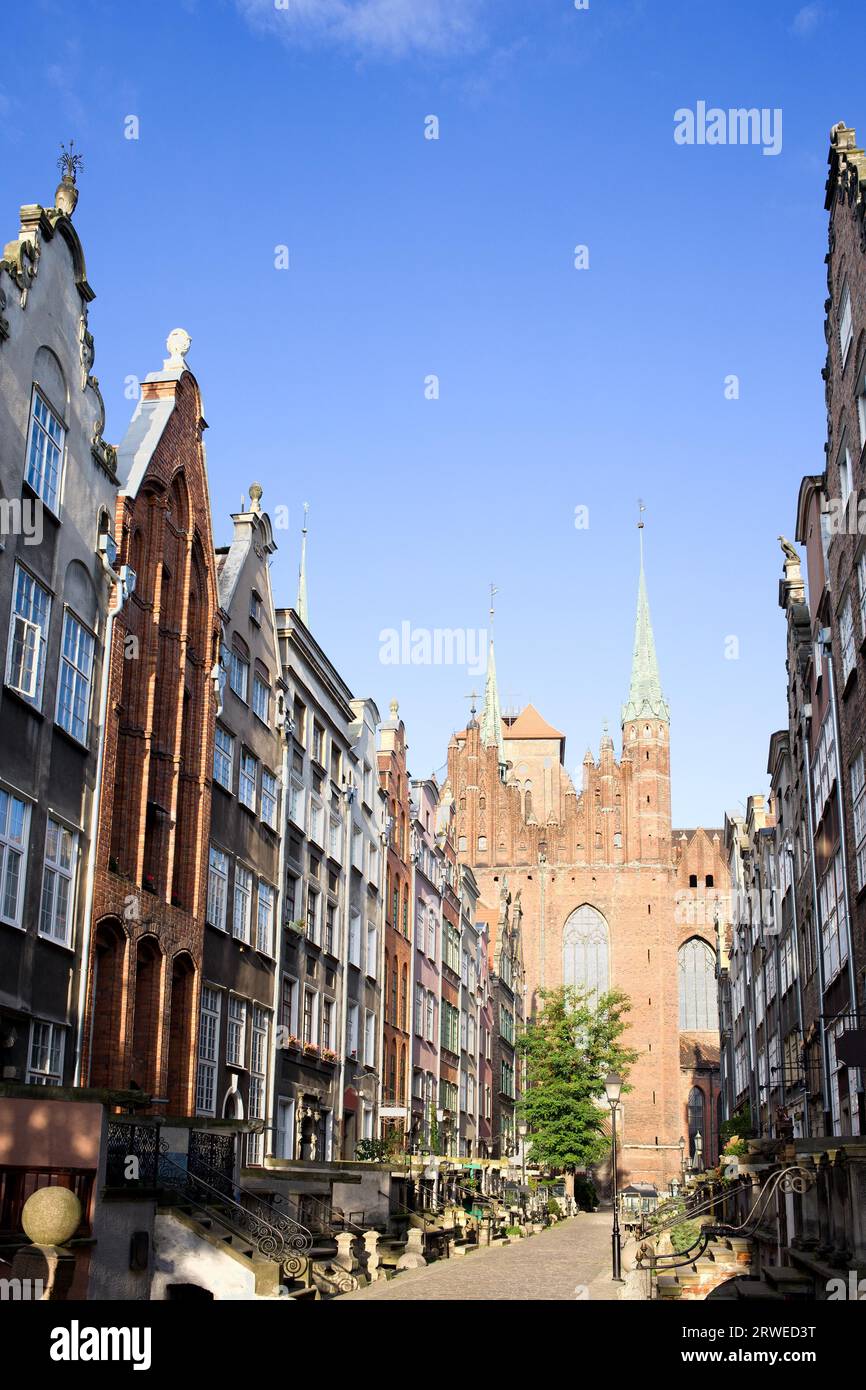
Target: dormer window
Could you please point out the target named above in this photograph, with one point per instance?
(45, 451)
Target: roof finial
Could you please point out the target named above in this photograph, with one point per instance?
(178, 344)
(69, 163)
(645, 692)
(301, 605)
(255, 497)
(640, 525)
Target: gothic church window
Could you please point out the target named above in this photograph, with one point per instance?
(698, 998)
(586, 951)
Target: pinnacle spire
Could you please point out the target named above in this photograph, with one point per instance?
(491, 717)
(301, 605)
(645, 692)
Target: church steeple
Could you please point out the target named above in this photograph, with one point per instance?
(645, 696)
(301, 605)
(491, 717)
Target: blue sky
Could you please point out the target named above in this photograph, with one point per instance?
(304, 126)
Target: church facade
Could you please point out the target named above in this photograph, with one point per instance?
(611, 895)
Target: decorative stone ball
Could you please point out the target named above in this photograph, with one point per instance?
(51, 1216)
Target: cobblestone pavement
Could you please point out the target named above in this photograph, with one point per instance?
(568, 1261)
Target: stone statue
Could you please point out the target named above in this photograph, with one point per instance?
(789, 550)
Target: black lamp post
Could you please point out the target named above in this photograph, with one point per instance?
(613, 1090)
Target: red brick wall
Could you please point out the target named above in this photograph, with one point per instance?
(152, 849)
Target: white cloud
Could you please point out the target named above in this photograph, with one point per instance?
(807, 19)
(388, 27)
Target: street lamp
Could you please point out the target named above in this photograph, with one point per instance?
(682, 1155)
(523, 1130)
(613, 1091)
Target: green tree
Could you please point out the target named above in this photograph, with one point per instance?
(569, 1049)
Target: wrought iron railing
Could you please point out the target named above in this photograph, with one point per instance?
(273, 1235)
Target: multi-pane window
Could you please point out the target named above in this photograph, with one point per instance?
(861, 591)
(334, 839)
(834, 934)
(699, 1010)
(431, 936)
(327, 1023)
(450, 1027)
(296, 803)
(28, 635)
(208, 1051)
(464, 1030)
(58, 880)
(352, 1030)
(239, 675)
(76, 669)
(452, 947)
(824, 767)
(858, 799)
(369, 1038)
(14, 820)
(506, 1079)
(223, 757)
(506, 1023)
(45, 1063)
(258, 1078)
(355, 938)
(236, 1034)
(318, 743)
(419, 1010)
(247, 780)
(846, 638)
(217, 887)
(448, 1095)
(313, 909)
(256, 606)
(317, 822)
(330, 928)
(288, 1004)
(372, 950)
(265, 920)
(430, 1017)
(243, 904)
(269, 799)
(311, 1016)
(45, 454)
(261, 699)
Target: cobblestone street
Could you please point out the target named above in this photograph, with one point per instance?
(557, 1264)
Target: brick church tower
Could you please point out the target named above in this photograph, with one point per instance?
(611, 896)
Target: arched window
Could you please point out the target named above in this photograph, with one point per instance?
(696, 1118)
(699, 1008)
(586, 951)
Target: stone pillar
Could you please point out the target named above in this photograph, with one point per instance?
(413, 1256)
(371, 1245)
(345, 1256)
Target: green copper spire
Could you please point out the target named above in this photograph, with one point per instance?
(301, 605)
(645, 696)
(491, 717)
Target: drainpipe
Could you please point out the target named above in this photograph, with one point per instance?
(816, 907)
(124, 583)
(852, 976)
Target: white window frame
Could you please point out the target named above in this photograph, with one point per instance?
(297, 800)
(858, 802)
(245, 797)
(372, 952)
(208, 1050)
(242, 903)
(13, 846)
(846, 638)
(50, 445)
(369, 1038)
(270, 798)
(352, 1024)
(846, 323)
(55, 872)
(53, 1045)
(239, 674)
(355, 938)
(80, 664)
(31, 638)
(236, 1032)
(222, 757)
(217, 887)
(265, 911)
(261, 705)
(285, 1127)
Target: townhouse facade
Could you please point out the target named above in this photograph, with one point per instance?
(470, 948)
(429, 861)
(395, 1109)
(58, 482)
(246, 840)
